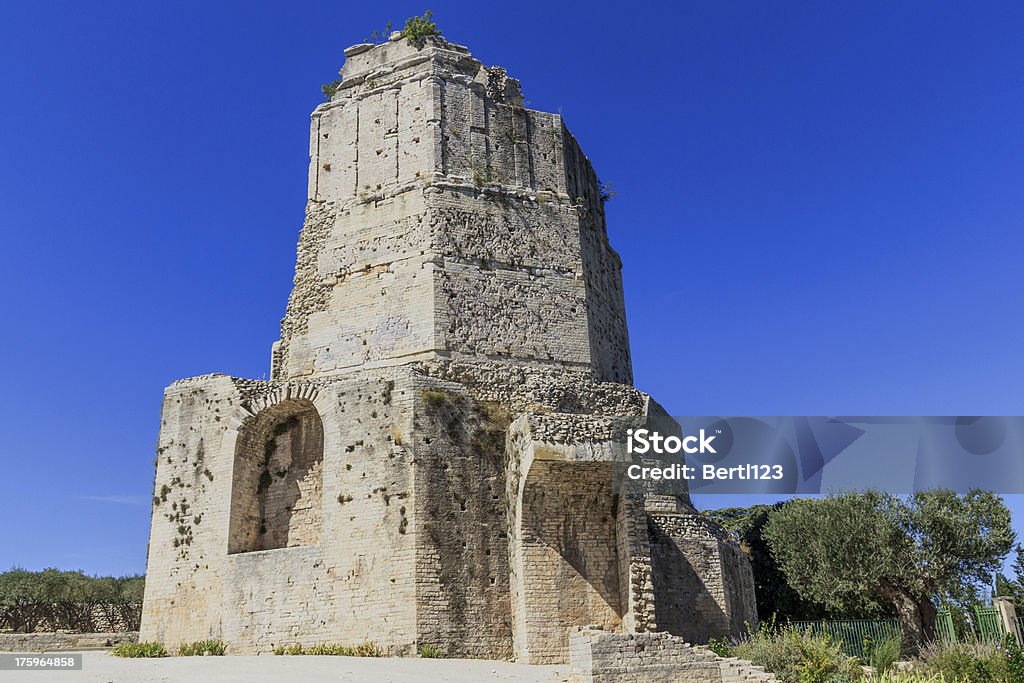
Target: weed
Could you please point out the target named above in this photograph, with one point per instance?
(145, 649)
(431, 652)
(418, 29)
(202, 647)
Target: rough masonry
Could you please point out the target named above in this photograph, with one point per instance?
(433, 461)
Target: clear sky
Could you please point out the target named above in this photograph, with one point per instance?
(819, 211)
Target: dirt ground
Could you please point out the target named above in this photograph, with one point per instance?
(102, 666)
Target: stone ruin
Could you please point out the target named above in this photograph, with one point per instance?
(432, 461)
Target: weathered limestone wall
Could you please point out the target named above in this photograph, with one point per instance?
(58, 641)
(360, 585)
(445, 220)
(702, 581)
(563, 524)
(570, 561)
(438, 523)
(597, 656)
(373, 505)
(281, 458)
(462, 573)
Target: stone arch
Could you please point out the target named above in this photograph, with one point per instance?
(277, 482)
(566, 555)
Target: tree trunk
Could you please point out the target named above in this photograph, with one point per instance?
(917, 620)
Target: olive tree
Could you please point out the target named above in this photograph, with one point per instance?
(850, 548)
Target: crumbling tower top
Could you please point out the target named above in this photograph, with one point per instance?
(446, 220)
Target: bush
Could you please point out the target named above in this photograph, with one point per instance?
(431, 652)
(139, 650)
(361, 650)
(201, 647)
(418, 28)
(975, 661)
(884, 653)
(912, 677)
(720, 646)
(328, 89)
(69, 600)
(797, 656)
(1014, 660)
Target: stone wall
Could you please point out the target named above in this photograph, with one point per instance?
(702, 581)
(413, 544)
(569, 556)
(58, 641)
(277, 485)
(598, 656)
(439, 523)
(462, 572)
(447, 221)
(359, 586)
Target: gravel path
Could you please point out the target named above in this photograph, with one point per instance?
(102, 666)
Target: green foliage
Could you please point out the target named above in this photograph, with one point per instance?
(417, 29)
(775, 597)
(201, 647)
(913, 677)
(848, 550)
(361, 650)
(380, 36)
(1014, 659)
(431, 652)
(55, 599)
(884, 653)
(959, 540)
(139, 650)
(798, 656)
(1018, 564)
(328, 89)
(436, 399)
(1013, 588)
(481, 173)
(607, 190)
(975, 661)
(720, 646)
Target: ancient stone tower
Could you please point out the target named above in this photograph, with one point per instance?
(433, 459)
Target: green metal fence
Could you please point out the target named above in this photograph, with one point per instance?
(944, 630)
(855, 635)
(989, 626)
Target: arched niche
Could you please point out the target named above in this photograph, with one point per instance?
(277, 485)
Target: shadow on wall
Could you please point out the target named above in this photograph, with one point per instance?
(570, 551)
(685, 605)
(277, 488)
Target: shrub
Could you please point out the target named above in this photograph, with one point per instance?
(380, 36)
(975, 661)
(419, 28)
(431, 652)
(53, 599)
(720, 646)
(912, 677)
(201, 647)
(797, 656)
(1014, 659)
(148, 649)
(884, 653)
(328, 89)
(333, 649)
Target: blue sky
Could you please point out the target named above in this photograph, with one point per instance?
(819, 211)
